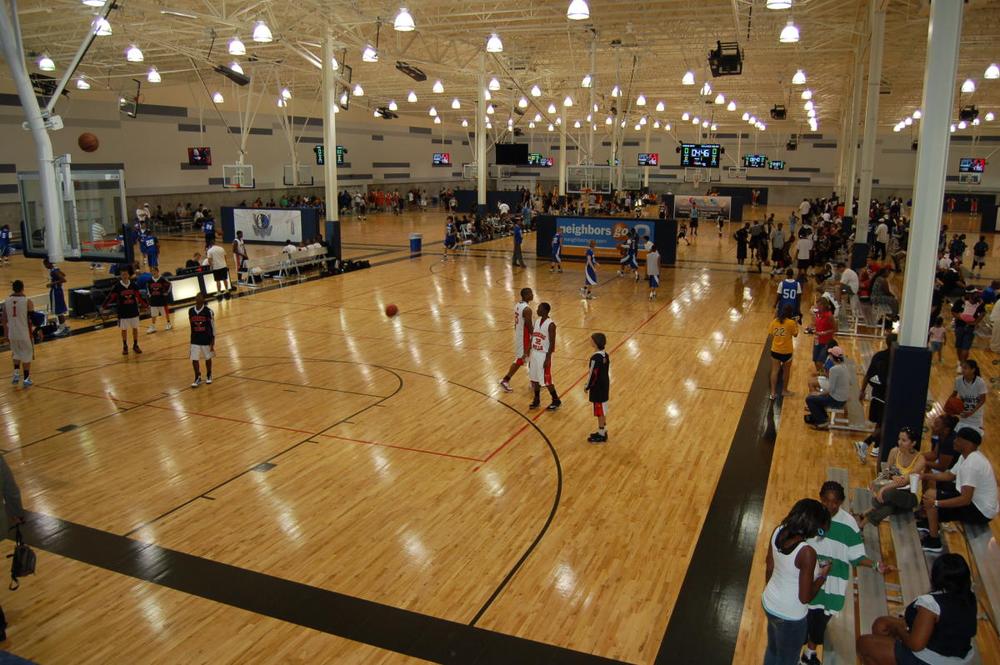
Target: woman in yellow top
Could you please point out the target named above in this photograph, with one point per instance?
(893, 491)
(782, 330)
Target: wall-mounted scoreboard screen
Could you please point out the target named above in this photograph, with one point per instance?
(649, 159)
(971, 165)
(442, 159)
(776, 165)
(700, 155)
(755, 161)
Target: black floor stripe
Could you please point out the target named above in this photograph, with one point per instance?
(705, 622)
(382, 626)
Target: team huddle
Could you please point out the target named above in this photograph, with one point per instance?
(534, 343)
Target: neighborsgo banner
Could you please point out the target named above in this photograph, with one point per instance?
(607, 233)
(708, 206)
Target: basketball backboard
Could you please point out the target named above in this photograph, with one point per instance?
(238, 176)
(305, 175)
(588, 178)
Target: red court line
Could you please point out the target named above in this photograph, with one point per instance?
(109, 396)
(412, 450)
(232, 420)
(577, 382)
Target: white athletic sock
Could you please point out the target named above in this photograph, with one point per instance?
(602, 430)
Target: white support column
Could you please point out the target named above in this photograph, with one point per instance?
(592, 159)
(944, 32)
(481, 166)
(563, 160)
(871, 119)
(851, 146)
(645, 169)
(51, 196)
(330, 131)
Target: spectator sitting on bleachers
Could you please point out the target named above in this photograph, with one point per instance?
(974, 497)
(836, 394)
(892, 488)
(937, 627)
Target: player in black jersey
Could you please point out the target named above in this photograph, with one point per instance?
(127, 297)
(159, 296)
(599, 386)
(202, 338)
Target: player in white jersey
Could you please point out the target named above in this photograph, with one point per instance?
(16, 319)
(543, 343)
(522, 336)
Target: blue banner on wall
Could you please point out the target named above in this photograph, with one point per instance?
(606, 233)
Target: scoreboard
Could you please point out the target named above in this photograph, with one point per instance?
(700, 155)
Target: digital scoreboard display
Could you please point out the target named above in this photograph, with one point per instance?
(754, 161)
(649, 159)
(972, 165)
(441, 159)
(200, 156)
(776, 165)
(537, 159)
(700, 155)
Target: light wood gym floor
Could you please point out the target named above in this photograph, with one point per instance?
(401, 474)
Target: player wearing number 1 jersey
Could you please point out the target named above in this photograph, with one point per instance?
(17, 328)
(522, 336)
(543, 343)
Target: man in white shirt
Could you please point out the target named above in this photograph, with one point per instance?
(504, 208)
(881, 239)
(803, 250)
(972, 499)
(804, 208)
(849, 282)
(216, 257)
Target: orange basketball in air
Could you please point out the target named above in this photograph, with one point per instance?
(391, 311)
(88, 142)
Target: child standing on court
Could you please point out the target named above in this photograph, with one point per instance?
(653, 270)
(202, 338)
(936, 336)
(589, 272)
(598, 387)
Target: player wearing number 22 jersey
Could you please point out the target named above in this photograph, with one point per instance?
(543, 343)
(522, 336)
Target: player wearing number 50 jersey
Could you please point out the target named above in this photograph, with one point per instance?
(16, 320)
(522, 336)
(543, 343)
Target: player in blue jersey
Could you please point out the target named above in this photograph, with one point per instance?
(790, 293)
(5, 244)
(589, 272)
(151, 248)
(629, 260)
(557, 240)
(450, 237)
(57, 297)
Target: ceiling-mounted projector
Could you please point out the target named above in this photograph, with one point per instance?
(968, 113)
(778, 112)
(413, 72)
(726, 59)
(235, 77)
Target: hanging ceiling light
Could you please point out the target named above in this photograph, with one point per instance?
(706, 89)
(660, 107)
(640, 100)
(134, 54)
(455, 104)
(992, 72)
(789, 34)
(286, 93)
(235, 66)
(558, 121)
(262, 33)
(217, 98)
(282, 104)
(807, 94)
(343, 100)
(369, 54)
(465, 123)
(438, 87)
(969, 86)
(714, 127)
(667, 127)
(808, 105)
(376, 113)
(437, 121)
(778, 4)
(489, 109)
(688, 79)
(695, 120)
(536, 91)
(494, 84)
(531, 125)
(101, 27)
(587, 81)
(962, 124)
(799, 78)
(46, 64)
(568, 102)
(493, 44)
(94, 3)
(989, 117)
(720, 99)
(608, 121)
(538, 117)
(551, 128)
(404, 22)
(685, 116)
(432, 112)
(917, 115)
(616, 91)
(908, 121)
(336, 65)
(576, 125)
(752, 120)
(589, 117)
(153, 76)
(952, 129)
(595, 108)
(81, 84)
(522, 103)
(656, 124)
(552, 108)
(393, 106)
(638, 127)
(731, 106)
(486, 94)
(642, 120)
(746, 116)
(358, 90)
(811, 113)
(237, 47)
(704, 124)
(578, 10)
(412, 97)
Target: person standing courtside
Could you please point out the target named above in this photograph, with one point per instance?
(557, 240)
(220, 270)
(57, 297)
(517, 259)
(16, 315)
(598, 387)
(127, 297)
(543, 343)
(240, 252)
(522, 336)
(159, 293)
(202, 322)
(5, 243)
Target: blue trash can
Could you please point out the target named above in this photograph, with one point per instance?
(416, 241)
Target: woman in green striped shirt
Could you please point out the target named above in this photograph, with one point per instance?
(843, 547)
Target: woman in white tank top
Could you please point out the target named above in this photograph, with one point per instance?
(793, 579)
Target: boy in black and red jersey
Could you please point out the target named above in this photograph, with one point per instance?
(599, 387)
(127, 299)
(202, 338)
(159, 294)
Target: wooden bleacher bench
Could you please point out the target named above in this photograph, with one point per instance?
(914, 576)
(851, 416)
(985, 553)
(871, 585)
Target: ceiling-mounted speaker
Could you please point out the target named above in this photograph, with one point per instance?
(235, 77)
(779, 112)
(414, 73)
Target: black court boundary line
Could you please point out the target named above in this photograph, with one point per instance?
(705, 621)
(402, 631)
